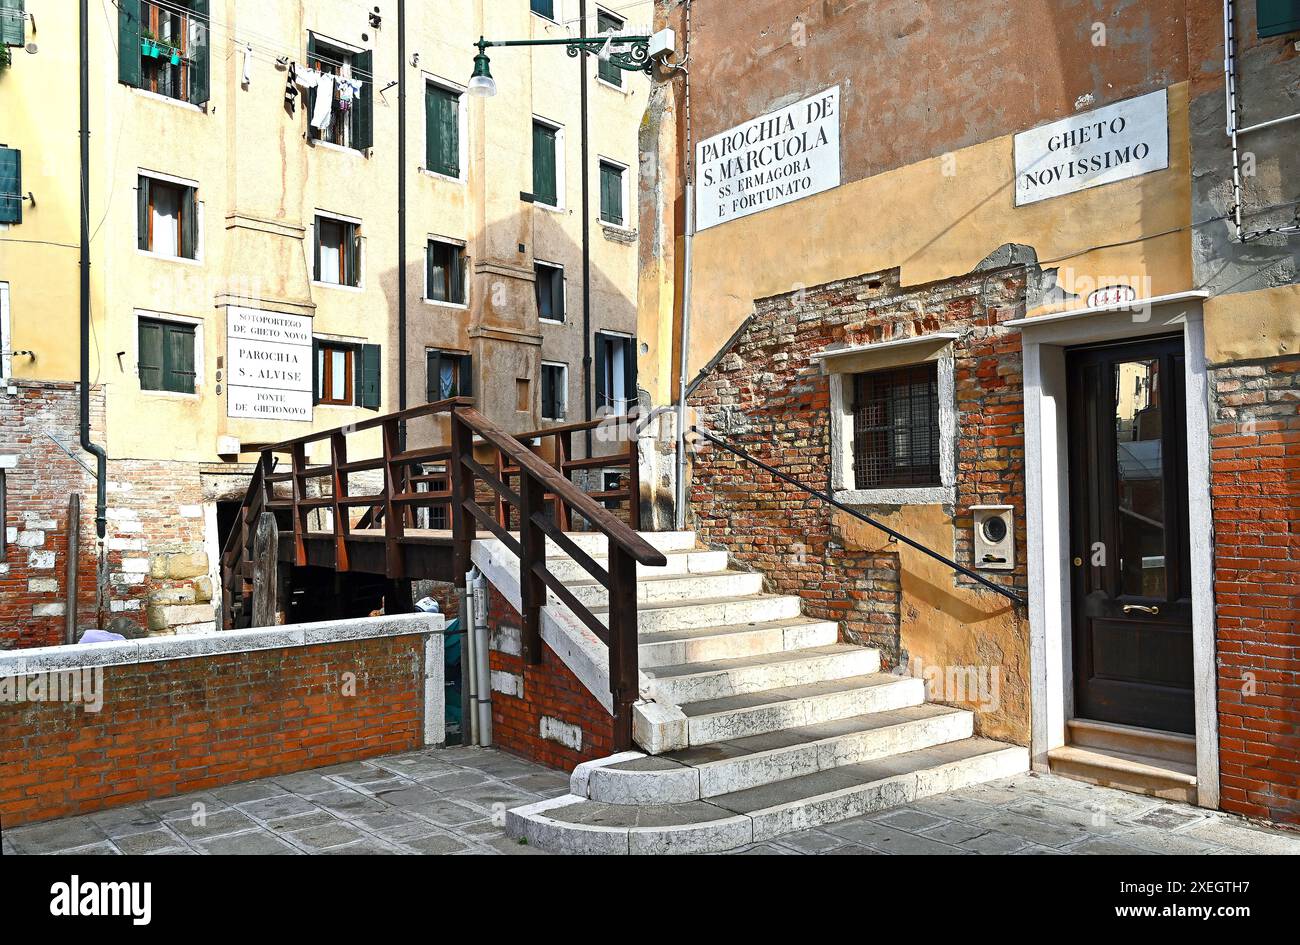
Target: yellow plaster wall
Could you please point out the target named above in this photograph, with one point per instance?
(1246, 325)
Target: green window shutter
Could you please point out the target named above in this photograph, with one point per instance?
(607, 70)
(545, 7)
(432, 373)
(317, 370)
(142, 214)
(557, 294)
(13, 23)
(629, 371)
(548, 391)
(189, 223)
(442, 130)
(544, 185)
(315, 250)
(178, 358)
(313, 54)
(201, 53)
(466, 378)
(128, 42)
(457, 276)
(367, 377)
(1276, 17)
(363, 106)
(432, 127)
(602, 360)
(11, 185)
(150, 361)
(352, 255)
(611, 193)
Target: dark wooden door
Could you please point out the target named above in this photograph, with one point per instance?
(1132, 632)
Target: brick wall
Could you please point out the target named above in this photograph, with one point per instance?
(34, 570)
(181, 725)
(1255, 487)
(544, 712)
(767, 395)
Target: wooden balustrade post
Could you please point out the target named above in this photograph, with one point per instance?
(624, 683)
(633, 477)
(394, 521)
(563, 453)
(299, 479)
(461, 485)
(339, 458)
(532, 494)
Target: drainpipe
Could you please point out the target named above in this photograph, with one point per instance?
(483, 704)
(101, 457)
(469, 662)
(679, 511)
(401, 218)
(586, 231)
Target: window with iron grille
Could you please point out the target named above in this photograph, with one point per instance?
(896, 427)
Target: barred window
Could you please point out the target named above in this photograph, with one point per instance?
(896, 427)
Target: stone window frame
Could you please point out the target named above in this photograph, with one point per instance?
(841, 364)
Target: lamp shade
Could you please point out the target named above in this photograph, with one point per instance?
(481, 82)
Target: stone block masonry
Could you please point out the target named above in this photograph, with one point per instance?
(1255, 491)
(190, 713)
(543, 713)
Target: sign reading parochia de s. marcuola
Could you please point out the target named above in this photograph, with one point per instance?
(769, 161)
(268, 357)
(1098, 147)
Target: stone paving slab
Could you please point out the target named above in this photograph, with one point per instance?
(453, 801)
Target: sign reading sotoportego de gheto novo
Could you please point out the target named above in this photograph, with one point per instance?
(1107, 144)
(268, 364)
(769, 161)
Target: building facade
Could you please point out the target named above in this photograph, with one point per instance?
(265, 261)
(1032, 305)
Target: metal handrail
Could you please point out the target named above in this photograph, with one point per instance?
(898, 536)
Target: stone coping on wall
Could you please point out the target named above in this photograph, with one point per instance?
(48, 659)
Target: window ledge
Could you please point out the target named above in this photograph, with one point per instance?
(150, 254)
(617, 232)
(167, 99)
(550, 208)
(552, 321)
(338, 285)
(462, 306)
(171, 394)
(901, 495)
(622, 89)
(439, 175)
(331, 146)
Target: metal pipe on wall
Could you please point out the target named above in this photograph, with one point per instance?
(483, 705)
(74, 552)
(469, 661)
(679, 504)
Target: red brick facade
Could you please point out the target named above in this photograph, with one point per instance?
(183, 725)
(548, 715)
(34, 569)
(771, 399)
(1255, 487)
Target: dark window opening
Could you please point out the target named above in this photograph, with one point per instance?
(446, 272)
(896, 427)
(550, 291)
(447, 374)
(555, 393)
(337, 252)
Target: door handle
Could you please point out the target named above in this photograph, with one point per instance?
(1129, 608)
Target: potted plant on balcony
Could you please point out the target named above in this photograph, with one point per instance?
(148, 43)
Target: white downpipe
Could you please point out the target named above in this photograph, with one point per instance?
(679, 504)
(483, 699)
(469, 725)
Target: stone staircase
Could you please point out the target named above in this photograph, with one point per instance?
(755, 721)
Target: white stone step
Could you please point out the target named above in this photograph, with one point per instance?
(740, 716)
(672, 587)
(660, 616)
(686, 561)
(717, 679)
(596, 543)
(707, 771)
(720, 643)
(573, 824)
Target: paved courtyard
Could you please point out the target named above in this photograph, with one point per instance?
(451, 801)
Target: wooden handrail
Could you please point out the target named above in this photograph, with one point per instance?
(411, 413)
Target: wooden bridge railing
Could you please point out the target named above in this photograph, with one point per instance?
(522, 489)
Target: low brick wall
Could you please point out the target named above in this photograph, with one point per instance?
(544, 713)
(157, 717)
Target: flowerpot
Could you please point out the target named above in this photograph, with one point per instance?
(144, 47)
(176, 58)
(153, 50)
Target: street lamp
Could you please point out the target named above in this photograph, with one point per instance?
(634, 57)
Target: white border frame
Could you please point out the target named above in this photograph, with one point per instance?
(564, 366)
(564, 283)
(624, 178)
(198, 224)
(1047, 505)
(309, 248)
(200, 365)
(463, 245)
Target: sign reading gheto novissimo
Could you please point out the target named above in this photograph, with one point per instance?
(769, 161)
(1113, 143)
(268, 360)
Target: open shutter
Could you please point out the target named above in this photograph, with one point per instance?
(367, 380)
(315, 250)
(142, 214)
(451, 134)
(607, 70)
(189, 223)
(150, 361)
(456, 276)
(465, 378)
(432, 373)
(11, 185)
(432, 127)
(128, 42)
(629, 371)
(178, 358)
(602, 359)
(13, 23)
(200, 40)
(352, 255)
(363, 106)
(1276, 17)
(317, 371)
(557, 294)
(544, 186)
